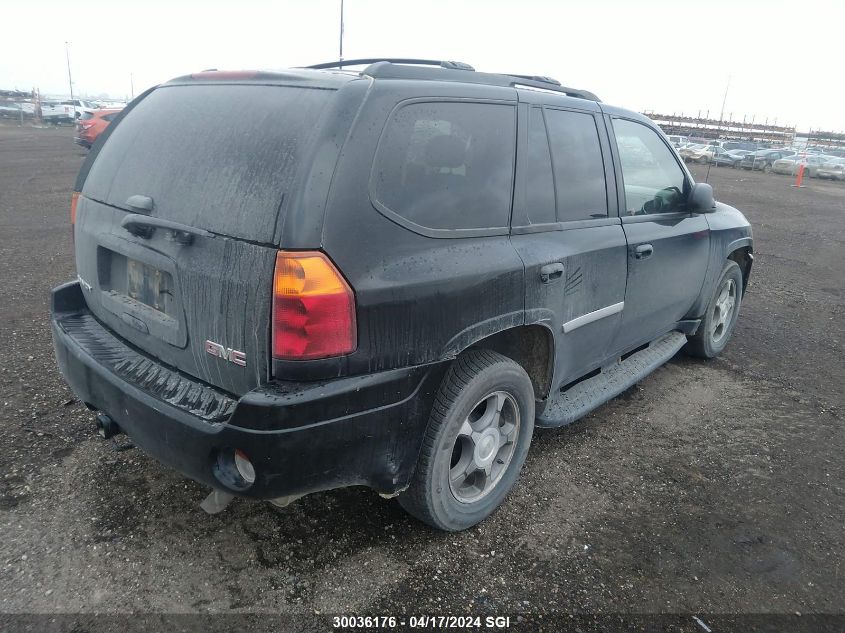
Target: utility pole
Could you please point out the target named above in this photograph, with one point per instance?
(69, 79)
(341, 30)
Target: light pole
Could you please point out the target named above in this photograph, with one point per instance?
(341, 30)
(69, 79)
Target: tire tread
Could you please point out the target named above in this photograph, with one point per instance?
(415, 499)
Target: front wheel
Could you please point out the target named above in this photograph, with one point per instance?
(721, 315)
(475, 444)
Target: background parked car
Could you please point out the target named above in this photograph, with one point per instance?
(764, 159)
(833, 169)
(678, 141)
(724, 158)
(790, 165)
(746, 146)
(80, 106)
(56, 112)
(696, 152)
(10, 109)
(91, 124)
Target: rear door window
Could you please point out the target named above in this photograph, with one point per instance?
(442, 167)
(218, 157)
(580, 187)
(537, 185)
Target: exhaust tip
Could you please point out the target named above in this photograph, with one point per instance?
(234, 470)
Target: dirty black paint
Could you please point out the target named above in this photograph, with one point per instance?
(421, 299)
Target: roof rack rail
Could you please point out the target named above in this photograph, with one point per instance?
(452, 65)
(521, 81)
(540, 78)
(406, 68)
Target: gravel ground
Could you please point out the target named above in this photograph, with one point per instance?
(711, 487)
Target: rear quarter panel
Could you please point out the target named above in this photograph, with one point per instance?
(419, 299)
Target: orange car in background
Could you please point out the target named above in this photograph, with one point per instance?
(91, 124)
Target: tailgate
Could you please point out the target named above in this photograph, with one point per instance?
(218, 161)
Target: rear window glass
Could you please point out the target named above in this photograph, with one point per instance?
(218, 157)
(447, 165)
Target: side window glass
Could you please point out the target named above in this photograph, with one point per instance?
(578, 166)
(654, 182)
(537, 169)
(447, 165)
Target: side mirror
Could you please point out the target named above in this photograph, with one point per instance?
(701, 198)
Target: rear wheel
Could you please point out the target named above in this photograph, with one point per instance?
(476, 442)
(720, 318)
(767, 168)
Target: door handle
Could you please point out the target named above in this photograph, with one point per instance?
(551, 272)
(643, 251)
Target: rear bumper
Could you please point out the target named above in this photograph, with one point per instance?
(300, 437)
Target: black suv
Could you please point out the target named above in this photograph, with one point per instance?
(292, 282)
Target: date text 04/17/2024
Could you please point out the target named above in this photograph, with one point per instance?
(352, 622)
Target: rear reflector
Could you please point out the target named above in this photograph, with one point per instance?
(313, 308)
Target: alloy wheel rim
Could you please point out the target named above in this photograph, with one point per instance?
(723, 310)
(484, 447)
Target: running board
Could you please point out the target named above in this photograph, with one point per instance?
(577, 401)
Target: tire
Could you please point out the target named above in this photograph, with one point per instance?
(767, 169)
(440, 494)
(715, 329)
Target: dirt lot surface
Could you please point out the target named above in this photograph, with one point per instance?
(711, 487)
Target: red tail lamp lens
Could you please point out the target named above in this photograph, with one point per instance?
(313, 308)
(74, 200)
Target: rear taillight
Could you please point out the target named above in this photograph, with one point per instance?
(313, 308)
(74, 200)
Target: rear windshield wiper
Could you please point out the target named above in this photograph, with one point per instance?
(144, 226)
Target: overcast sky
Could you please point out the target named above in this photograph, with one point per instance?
(785, 60)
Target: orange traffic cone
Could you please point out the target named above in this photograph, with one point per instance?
(799, 177)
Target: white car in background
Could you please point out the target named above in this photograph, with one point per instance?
(790, 165)
(833, 169)
(80, 106)
(678, 141)
(700, 153)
